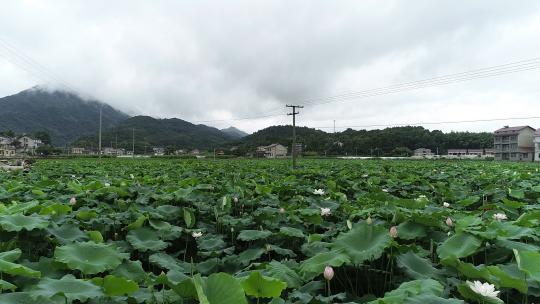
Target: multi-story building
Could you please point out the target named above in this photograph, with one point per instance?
(470, 152)
(272, 151)
(537, 145)
(514, 143)
(423, 152)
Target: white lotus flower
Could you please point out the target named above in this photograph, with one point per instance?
(484, 289)
(349, 224)
(196, 234)
(446, 205)
(325, 211)
(107, 185)
(500, 216)
(449, 222)
(318, 192)
(282, 210)
(385, 190)
(73, 201)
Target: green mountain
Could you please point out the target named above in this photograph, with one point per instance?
(234, 132)
(385, 142)
(152, 132)
(65, 116)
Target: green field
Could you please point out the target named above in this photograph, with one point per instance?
(240, 231)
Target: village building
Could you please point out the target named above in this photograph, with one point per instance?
(537, 145)
(78, 150)
(158, 151)
(29, 144)
(470, 152)
(514, 143)
(272, 151)
(423, 152)
(7, 151)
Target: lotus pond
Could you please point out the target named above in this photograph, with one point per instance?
(240, 231)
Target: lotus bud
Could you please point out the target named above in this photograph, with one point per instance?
(349, 224)
(328, 273)
(268, 247)
(449, 222)
(282, 210)
(73, 201)
(369, 221)
(235, 199)
(393, 232)
(196, 234)
(446, 205)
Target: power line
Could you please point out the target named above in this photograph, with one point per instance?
(493, 71)
(432, 123)
(486, 70)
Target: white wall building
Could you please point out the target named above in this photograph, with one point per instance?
(537, 145)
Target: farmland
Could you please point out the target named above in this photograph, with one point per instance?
(240, 231)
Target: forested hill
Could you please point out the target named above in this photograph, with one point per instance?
(389, 141)
(152, 132)
(63, 115)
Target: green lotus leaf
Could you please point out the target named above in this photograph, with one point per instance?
(138, 223)
(261, 286)
(85, 215)
(459, 245)
(166, 261)
(213, 243)
(68, 233)
(292, 232)
(219, 288)
(116, 286)
(431, 299)
(146, 239)
(26, 298)
(281, 271)
(427, 287)
(11, 256)
(89, 257)
(55, 209)
(69, 287)
(4, 285)
(505, 279)
(95, 236)
(18, 222)
(252, 235)
(249, 255)
(529, 262)
(317, 263)
(131, 270)
(364, 242)
(417, 267)
(410, 231)
(18, 270)
(189, 217)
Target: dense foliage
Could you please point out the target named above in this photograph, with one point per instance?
(166, 133)
(384, 142)
(65, 116)
(169, 231)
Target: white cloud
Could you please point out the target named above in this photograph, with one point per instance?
(206, 60)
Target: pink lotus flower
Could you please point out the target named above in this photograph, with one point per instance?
(328, 273)
(449, 222)
(73, 201)
(393, 232)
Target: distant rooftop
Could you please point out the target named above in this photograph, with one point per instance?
(511, 129)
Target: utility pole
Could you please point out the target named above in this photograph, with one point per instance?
(294, 113)
(133, 142)
(334, 126)
(100, 114)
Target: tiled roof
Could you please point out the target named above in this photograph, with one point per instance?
(512, 129)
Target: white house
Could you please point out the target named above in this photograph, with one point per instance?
(514, 143)
(77, 150)
(537, 145)
(5, 141)
(7, 150)
(272, 151)
(29, 144)
(423, 152)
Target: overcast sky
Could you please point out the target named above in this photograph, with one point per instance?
(213, 60)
